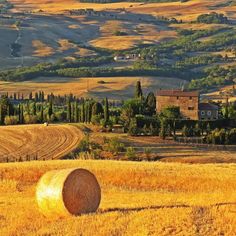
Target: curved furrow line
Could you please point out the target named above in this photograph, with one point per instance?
(51, 142)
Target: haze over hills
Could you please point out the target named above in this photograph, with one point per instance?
(162, 33)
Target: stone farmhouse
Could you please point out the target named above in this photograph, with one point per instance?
(189, 104)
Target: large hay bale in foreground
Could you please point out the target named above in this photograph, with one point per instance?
(68, 191)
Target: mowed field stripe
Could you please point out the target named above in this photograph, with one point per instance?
(51, 142)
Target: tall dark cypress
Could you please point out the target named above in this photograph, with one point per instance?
(83, 112)
(106, 111)
(72, 112)
(41, 114)
(50, 109)
(30, 96)
(34, 109)
(36, 97)
(22, 114)
(76, 113)
(68, 110)
(138, 90)
(42, 96)
(8, 110)
(19, 113)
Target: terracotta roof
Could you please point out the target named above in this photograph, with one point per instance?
(179, 93)
(207, 106)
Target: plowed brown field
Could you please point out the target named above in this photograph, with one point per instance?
(43, 142)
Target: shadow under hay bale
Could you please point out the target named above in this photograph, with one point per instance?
(68, 192)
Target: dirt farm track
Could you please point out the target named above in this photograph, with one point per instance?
(37, 141)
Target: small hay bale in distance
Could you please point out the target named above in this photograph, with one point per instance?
(68, 192)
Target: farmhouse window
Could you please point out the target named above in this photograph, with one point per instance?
(190, 98)
(177, 97)
(190, 108)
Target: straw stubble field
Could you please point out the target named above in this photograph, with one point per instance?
(137, 199)
(43, 142)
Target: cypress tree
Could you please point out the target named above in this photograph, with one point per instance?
(86, 112)
(76, 113)
(138, 90)
(19, 113)
(27, 108)
(41, 113)
(79, 114)
(34, 109)
(42, 96)
(97, 109)
(22, 114)
(30, 96)
(83, 112)
(68, 110)
(106, 111)
(36, 97)
(72, 112)
(8, 110)
(50, 109)
(150, 104)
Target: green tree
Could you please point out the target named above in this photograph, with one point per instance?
(34, 109)
(163, 130)
(83, 112)
(208, 128)
(130, 153)
(41, 113)
(68, 110)
(126, 115)
(97, 109)
(185, 131)
(150, 104)
(138, 90)
(106, 111)
(171, 112)
(7, 107)
(50, 108)
(133, 129)
(76, 112)
(197, 130)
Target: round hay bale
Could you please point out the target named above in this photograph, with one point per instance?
(68, 192)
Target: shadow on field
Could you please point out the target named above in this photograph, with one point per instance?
(126, 210)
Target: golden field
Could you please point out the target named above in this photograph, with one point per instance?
(45, 142)
(137, 199)
(186, 11)
(221, 94)
(114, 87)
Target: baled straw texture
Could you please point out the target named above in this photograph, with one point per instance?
(68, 192)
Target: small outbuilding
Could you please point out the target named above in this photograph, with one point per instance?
(119, 129)
(208, 111)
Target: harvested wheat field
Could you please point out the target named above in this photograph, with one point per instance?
(38, 141)
(114, 87)
(56, 6)
(137, 199)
